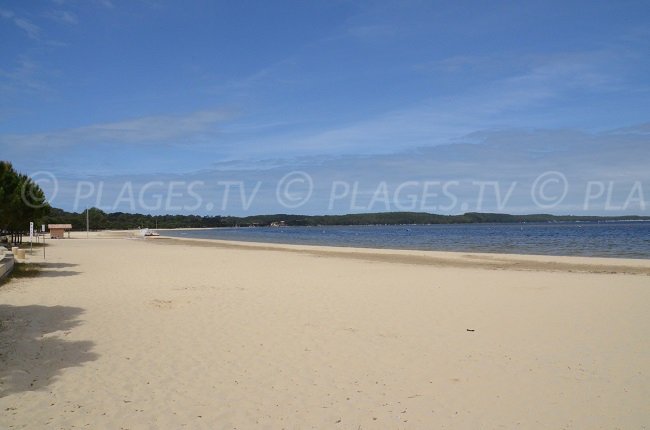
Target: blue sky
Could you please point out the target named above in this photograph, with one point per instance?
(375, 93)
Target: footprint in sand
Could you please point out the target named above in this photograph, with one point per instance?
(162, 304)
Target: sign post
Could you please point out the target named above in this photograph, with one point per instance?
(31, 237)
(43, 231)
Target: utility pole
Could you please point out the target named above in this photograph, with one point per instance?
(87, 225)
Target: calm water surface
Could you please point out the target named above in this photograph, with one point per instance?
(610, 239)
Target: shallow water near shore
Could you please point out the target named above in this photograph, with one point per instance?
(605, 239)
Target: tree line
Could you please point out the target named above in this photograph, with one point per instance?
(100, 220)
(21, 201)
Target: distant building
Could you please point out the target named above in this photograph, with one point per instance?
(57, 231)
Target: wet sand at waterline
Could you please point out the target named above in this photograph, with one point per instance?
(164, 333)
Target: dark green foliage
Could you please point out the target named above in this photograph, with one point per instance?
(21, 200)
(100, 220)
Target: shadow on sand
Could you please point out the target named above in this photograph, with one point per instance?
(56, 273)
(33, 346)
(57, 265)
(45, 270)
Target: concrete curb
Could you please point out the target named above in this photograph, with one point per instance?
(6, 264)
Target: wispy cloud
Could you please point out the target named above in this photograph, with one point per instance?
(33, 31)
(268, 76)
(371, 32)
(635, 129)
(455, 64)
(181, 129)
(443, 120)
(516, 100)
(519, 97)
(503, 157)
(23, 78)
(501, 160)
(62, 16)
(106, 3)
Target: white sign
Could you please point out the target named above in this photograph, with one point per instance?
(31, 231)
(43, 228)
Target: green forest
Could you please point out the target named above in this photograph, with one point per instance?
(100, 220)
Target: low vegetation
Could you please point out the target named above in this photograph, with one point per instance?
(23, 270)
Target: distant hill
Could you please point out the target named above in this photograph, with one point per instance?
(100, 220)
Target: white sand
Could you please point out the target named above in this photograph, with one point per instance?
(139, 334)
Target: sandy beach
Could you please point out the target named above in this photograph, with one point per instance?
(166, 334)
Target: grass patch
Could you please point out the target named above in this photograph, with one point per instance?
(23, 270)
(26, 270)
(25, 245)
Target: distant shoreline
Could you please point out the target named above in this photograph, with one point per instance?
(607, 240)
(122, 221)
(457, 259)
(405, 225)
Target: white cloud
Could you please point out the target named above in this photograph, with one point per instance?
(32, 30)
(518, 98)
(505, 160)
(106, 3)
(62, 16)
(23, 78)
(179, 129)
(371, 32)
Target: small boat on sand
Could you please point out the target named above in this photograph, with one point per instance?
(145, 232)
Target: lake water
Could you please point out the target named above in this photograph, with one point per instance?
(605, 239)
